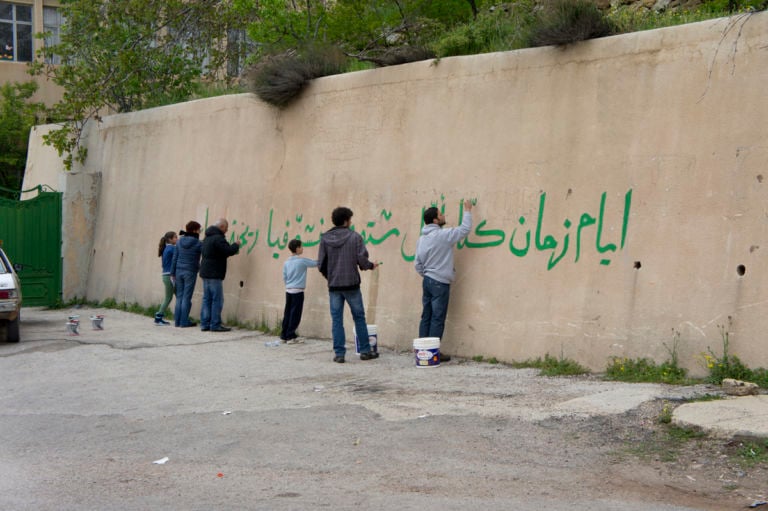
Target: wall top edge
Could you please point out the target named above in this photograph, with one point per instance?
(648, 41)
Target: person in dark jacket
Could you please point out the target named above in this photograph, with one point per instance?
(340, 255)
(184, 268)
(213, 269)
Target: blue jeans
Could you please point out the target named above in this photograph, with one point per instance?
(213, 302)
(185, 288)
(434, 300)
(355, 300)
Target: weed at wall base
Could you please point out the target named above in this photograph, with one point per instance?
(551, 366)
(730, 366)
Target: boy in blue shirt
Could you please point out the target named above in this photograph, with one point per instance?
(295, 278)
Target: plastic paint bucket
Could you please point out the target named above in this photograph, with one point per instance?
(373, 339)
(427, 351)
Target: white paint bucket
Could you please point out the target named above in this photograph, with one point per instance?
(373, 339)
(427, 351)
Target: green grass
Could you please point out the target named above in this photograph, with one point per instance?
(751, 453)
(627, 19)
(551, 366)
(680, 434)
(727, 365)
(215, 89)
(524, 24)
(666, 443)
(111, 303)
(646, 371)
(489, 32)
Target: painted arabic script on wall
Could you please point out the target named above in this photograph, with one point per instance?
(520, 242)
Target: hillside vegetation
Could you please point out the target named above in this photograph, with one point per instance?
(319, 40)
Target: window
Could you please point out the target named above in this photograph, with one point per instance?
(52, 22)
(15, 32)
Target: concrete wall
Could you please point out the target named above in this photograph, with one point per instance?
(620, 187)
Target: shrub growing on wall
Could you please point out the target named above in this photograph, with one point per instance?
(568, 21)
(279, 79)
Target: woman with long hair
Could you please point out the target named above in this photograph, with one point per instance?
(165, 252)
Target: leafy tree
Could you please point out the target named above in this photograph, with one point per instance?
(17, 116)
(361, 28)
(133, 54)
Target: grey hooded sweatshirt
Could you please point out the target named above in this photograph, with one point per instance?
(434, 250)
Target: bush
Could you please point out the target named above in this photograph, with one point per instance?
(501, 30)
(278, 80)
(568, 21)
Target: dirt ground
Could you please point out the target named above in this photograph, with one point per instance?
(684, 467)
(247, 426)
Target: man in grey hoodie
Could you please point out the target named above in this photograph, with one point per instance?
(434, 262)
(340, 255)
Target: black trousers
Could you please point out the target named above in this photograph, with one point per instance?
(294, 306)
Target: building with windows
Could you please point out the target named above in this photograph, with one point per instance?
(20, 20)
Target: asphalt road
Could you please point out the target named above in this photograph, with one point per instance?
(84, 418)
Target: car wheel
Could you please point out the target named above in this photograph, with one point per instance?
(12, 331)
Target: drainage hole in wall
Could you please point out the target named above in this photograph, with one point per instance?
(241, 283)
(637, 265)
(741, 270)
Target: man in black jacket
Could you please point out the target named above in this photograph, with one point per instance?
(340, 255)
(213, 269)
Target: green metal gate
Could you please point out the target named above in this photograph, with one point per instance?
(30, 233)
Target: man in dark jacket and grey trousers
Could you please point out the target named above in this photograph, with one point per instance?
(341, 253)
(213, 269)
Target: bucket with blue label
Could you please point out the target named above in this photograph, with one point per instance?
(427, 351)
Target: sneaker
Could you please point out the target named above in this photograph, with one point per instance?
(221, 329)
(204, 329)
(290, 341)
(369, 356)
(338, 359)
(444, 357)
(295, 340)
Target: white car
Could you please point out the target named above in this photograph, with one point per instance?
(10, 299)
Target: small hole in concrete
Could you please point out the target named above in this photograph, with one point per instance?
(741, 270)
(242, 283)
(637, 265)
